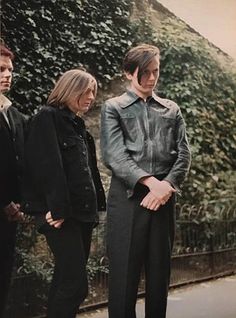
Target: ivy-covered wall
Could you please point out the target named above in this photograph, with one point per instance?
(49, 37)
(202, 81)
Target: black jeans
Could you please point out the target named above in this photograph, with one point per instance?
(7, 247)
(138, 238)
(70, 246)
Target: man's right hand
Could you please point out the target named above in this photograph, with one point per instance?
(13, 213)
(151, 202)
(160, 192)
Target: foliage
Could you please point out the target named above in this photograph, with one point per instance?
(32, 255)
(49, 37)
(193, 75)
(95, 268)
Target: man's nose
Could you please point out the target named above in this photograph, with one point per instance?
(7, 73)
(91, 95)
(152, 76)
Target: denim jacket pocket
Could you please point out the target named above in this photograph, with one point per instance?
(69, 142)
(73, 151)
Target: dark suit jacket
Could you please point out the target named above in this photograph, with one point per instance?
(11, 157)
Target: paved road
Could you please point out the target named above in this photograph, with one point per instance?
(213, 299)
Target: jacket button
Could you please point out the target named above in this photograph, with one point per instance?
(86, 205)
(64, 144)
(85, 169)
(17, 157)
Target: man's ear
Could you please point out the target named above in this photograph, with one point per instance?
(128, 76)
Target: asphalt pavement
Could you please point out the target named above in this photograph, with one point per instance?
(212, 299)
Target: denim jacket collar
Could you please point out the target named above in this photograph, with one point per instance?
(66, 112)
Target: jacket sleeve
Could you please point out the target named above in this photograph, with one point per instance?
(45, 165)
(114, 151)
(101, 198)
(181, 166)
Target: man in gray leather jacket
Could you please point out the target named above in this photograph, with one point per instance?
(144, 144)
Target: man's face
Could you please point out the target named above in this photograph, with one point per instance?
(81, 104)
(148, 80)
(6, 69)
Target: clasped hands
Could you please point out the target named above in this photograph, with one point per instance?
(159, 194)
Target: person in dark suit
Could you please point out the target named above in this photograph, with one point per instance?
(63, 189)
(144, 144)
(12, 125)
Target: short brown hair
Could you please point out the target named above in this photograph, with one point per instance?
(139, 56)
(5, 51)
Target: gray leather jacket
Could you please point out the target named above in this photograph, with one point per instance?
(141, 138)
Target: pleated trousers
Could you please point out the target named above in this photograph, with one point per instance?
(138, 239)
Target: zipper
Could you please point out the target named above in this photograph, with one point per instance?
(148, 136)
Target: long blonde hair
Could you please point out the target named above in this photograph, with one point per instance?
(71, 84)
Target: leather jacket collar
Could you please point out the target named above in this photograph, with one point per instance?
(130, 97)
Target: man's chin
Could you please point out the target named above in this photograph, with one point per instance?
(4, 89)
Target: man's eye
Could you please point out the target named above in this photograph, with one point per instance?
(2, 69)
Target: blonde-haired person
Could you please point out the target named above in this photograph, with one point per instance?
(63, 189)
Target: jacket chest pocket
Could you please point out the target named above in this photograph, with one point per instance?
(166, 124)
(165, 132)
(130, 125)
(73, 150)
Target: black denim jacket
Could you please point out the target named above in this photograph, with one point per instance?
(141, 138)
(61, 172)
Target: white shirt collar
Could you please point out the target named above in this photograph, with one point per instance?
(5, 103)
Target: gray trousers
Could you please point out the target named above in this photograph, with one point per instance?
(138, 238)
